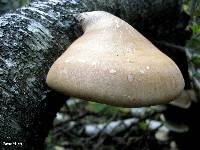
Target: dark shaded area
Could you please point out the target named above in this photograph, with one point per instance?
(178, 56)
(50, 110)
(187, 140)
(166, 40)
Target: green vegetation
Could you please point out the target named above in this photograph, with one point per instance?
(97, 108)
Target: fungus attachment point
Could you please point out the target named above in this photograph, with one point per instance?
(113, 63)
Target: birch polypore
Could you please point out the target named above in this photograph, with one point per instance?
(113, 63)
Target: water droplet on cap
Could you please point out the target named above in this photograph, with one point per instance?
(112, 71)
(129, 98)
(142, 71)
(130, 77)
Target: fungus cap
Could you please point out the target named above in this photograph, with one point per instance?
(113, 63)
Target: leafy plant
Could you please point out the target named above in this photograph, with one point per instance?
(97, 108)
(196, 60)
(192, 7)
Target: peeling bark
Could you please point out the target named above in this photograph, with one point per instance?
(31, 38)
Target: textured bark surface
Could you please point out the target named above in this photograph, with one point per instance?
(31, 39)
(6, 5)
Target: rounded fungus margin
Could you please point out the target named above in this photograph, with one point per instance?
(113, 63)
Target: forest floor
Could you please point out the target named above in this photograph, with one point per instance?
(82, 125)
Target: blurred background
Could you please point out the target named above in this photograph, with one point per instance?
(87, 125)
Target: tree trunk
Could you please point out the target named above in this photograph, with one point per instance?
(31, 38)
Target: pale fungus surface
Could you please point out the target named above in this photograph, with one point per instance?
(113, 63)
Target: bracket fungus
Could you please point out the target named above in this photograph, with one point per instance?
(113, 63)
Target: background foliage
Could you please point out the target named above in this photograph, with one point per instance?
(192, 8)
(192, 49)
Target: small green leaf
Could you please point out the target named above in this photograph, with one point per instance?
(196, 12)
(97, 107)
(195, 28)
(194, 43)
(196, 60)
(143, 125)
(192, 7)
(196, 74)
